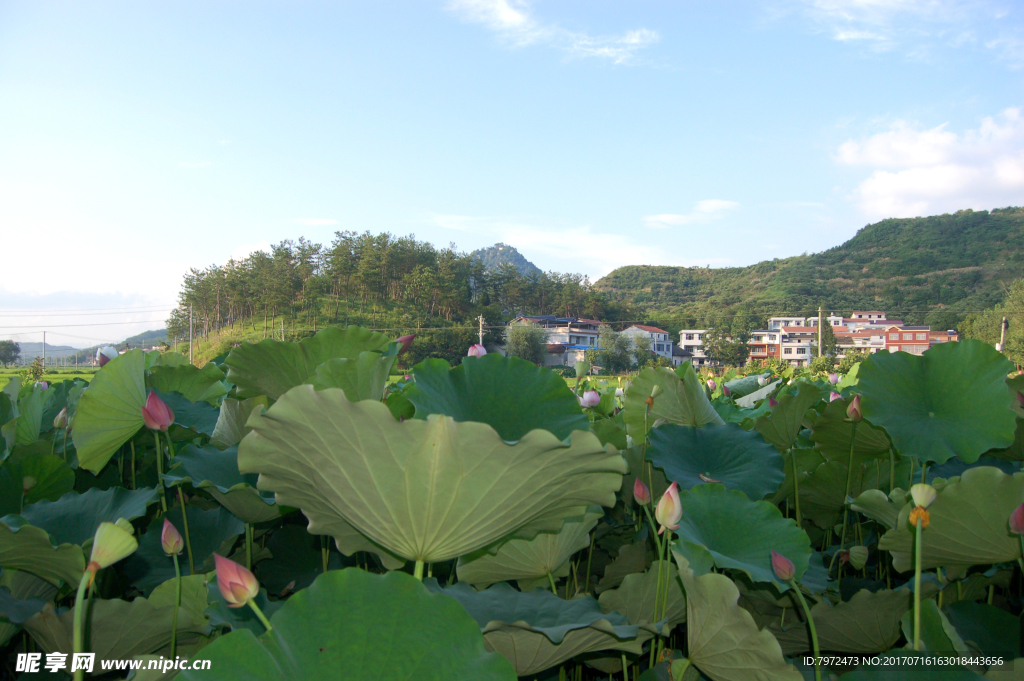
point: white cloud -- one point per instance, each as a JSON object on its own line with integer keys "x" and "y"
{"x": 578, "y": 248}
{"x": 928, "y": 171}
{"x": 703, "y": 211}
{"x": 315, "y": 221}
{"x": 514, "y": 23}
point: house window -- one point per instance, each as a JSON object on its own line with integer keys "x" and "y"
{"x": 700, "y": 336}
{"x": 787, "y": 351}
{"x": 689, "y": 336}
{"x": 801, "y": 351}
{"x": 894, "y": 336}
{"x": 772, "y": 337}
{"x": 921, "y": 336}
{"x": 895, "y": 348}
{"x": 908, "y": 336}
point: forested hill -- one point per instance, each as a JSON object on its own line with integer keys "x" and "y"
{"x": 923, "y": 270}
{"x": 502, "y": 254}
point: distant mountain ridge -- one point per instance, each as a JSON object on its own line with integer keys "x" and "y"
{"x": 500, "y": 254}
{"x": 931, "y": 270}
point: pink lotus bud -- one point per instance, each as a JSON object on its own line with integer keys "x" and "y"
{"x": 669, "y": 509}
{"x": 105, "y": 354}
{"x": 783, "y": 567}
{"x": 833, "y": 396}
{"x": 590, "y": 399}
{"x": 61, "y": 420}
{"x": 171, "y": 539}
{"x": 726, "y": 391}
{"x": 237, "y": 585}
{"x": 641, "y": 493}
{"x": 42, "y": 385}
{"x": 156, "y": 414}
{"x": 833, "y": 378}
{"x": 1017, "y": 520}
{"x": 406, "y": 341}
{"x": 712, "y": 385}
{"x": 476, "y": 350}
{"x": 853, "y": 411}
{"x": 772, "y": 402}
{"x": 406, "y": 377}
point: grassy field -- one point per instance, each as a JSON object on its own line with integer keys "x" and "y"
{"x": 52, "y": 376}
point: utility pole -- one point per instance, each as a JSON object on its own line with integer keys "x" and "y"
{"x": 44, "y": 348}
{"x": 819, "y": 330}
{"x": 1002, "y": 335}
{"x": 190, "y": 334}
{"x": 481, "y": 332}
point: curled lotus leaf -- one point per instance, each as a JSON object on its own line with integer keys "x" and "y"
{"x": 28, "y": 548}
{"x": 867, "y": 623}
{"x": 426, "y": 490}
{"x": 637, "y": 595}
{"x": 194, "y": 384}
{"x": 216, "y": 471}
{"x": 950, "y": 401}
{"x": 231, "y": 419}
{"x": 530, "y": 560}
{"x": 392, "y": 628}
{"x": 682, "y": 401}
{"x": 272, "y": 367}
{"x": 783, "y": 423}
{"x": 537, "y": 630}
{"x": 109, "y": 412}
{"x": 967, "y": 523}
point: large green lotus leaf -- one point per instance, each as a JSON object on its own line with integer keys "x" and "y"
{"x": 297, "y": 559}
{"x": 798, "y": 461}
{"x": 216, "y": 471}
{"x": 210, "y": 531}
{"x": 730, "y": 413}
{"x": 950, "y": 401}
{"x": 739, "y": 387}
{"x": 110, "y": 410}
{"x": 193, "y": 596}
{"x": 725, "y": 528}
{"x": 362, "y": 378}
{"x": 968, "y": 523}
{"x": 195, "y": 384}
{"x": 392, "y": 628}
{"x": 22, "y": 595}
{"x": 53, "y": 478}
{"x": 118, "y": 630}
{"x": 636, "y": 597}
{"x": 611, "y": 431}
{"x": 30, "y": 416}
{"x": 528, "y": 560}
{"x": 724, "y": 642}
{"x": 222, "y": 615}
{"x": 748, "y": 401}
{"x": 831, "y": 434}
{"x": 727, "y": 454}
{"x": 784, "y": 422}
{"x": 1014, "y": 452}
{"x": 195, "y": 416}
{"x": 509, "y": 394}
{"x": 23, "y": 547}
{"x": 166, "y": 359}
{"x": 682, "y": 401}
{"x": 867, "y": 623}
{"x": 876, "y": 504}
{"x": 230, "y": 428}
{"x": 1016, "y": 387}
{"x": 985, "y": 629}
{"x": 273, "y": 367}
{"x": 938, "y": 636}
{"x": 537, "y": 630}
{"x": 428, "y": 490}
{"x": 632, "y": 558}
{"x": 823, "y": 493}
{"x": 74, "y": 517}
{"x": 231, "y": 420}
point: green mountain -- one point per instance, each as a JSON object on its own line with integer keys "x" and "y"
{"x": 503, "y": 254}
{"x": 932, "y": 270}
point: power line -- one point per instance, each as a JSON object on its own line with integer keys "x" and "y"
{"x": 46, "y": 327}
{"x": 86, "y": 314}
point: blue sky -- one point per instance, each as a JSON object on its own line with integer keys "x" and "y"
{"x": 140, "y": 139}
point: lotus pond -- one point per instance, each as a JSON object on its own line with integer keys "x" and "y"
{"x": 287, "y": 512}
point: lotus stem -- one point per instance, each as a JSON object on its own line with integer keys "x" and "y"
{"x": 551, "y": 581}
{"x": 259, "y": 614}
{"x": 810, "y": 625}
{"x": 160, "y": 471}
{"x": 917, "y": 585}
{"x": 248, "y": 546}
{"x": 796, "y": 488}
{"x": 625, "y": 668}
{"x": 65, "y": 452}
{"x": 177, "y": 606}
{"x": 892, "y": 470}
{"x": 188, "y": 542}
{"x": 846, "y": 512}
{"x": 991, "y": 593}
{"x": 132, "y": 443}
{"x": 418, "y": 572}
{"x": 79, "y": 616}
{"x": 324, "y": 551}
{"x": 590, "y": 555}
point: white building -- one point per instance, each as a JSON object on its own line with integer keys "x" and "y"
{"x": 692, "y": 343}
{"x": 568, "y": 337}
{"x": 661, "y": 344}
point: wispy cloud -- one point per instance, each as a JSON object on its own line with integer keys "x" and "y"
{"x": 315, "y": 222}
{"x": 925, "y": 171}
{"x": 707, "y": 210}
{"x": 574, "y": 248}
{"x": 515, "y": 24}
